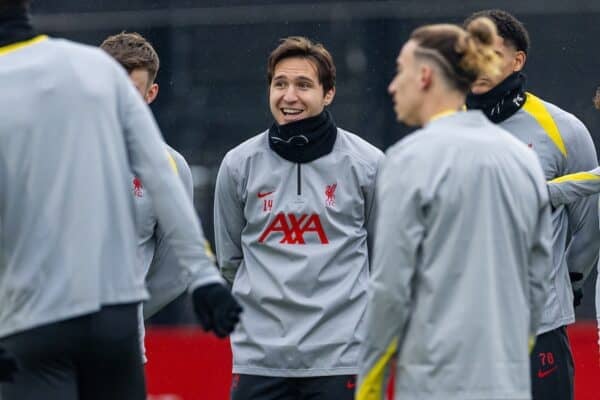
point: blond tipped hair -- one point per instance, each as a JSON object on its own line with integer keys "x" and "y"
{"x": 461, "y": 54}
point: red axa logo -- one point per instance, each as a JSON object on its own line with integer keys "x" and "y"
{"x": 138, "y": 188}
{"x": 293, "y": 228}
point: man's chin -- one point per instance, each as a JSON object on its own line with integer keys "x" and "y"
{"x": 481, "y": 87}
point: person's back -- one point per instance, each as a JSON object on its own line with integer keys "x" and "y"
{"x": 63, "y": 210}
{"x": 470, "y": 325}
{"x": 72, "y": 129}
{"x": 462, "y": 256}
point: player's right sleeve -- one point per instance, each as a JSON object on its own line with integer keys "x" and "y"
{"x": 229, "y": 221}
{"x": 399, "y": 231}
{"x": 540, "y": 258}
{"x": 149, "y": 161}
{"x": 572, "y": 187}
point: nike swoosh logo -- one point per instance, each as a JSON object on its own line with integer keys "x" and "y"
{"x": 543, "y": 374}
{"x": 261, "y": 194}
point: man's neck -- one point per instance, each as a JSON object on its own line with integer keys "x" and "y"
{"x": 441, "y": 103}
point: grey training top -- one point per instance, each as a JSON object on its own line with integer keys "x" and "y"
{"x": 72, "y": 127}
{"x": 563, "y": 145}
{"x": 292, "y": 239}
{"x": 461, "y": 264}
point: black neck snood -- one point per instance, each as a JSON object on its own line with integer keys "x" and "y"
{"x": 502, "y": 101}
{"x": 305, "y": 140}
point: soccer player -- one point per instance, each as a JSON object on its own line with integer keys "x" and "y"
{"x": 563, "y": 145}
{"x": 570, "y": 188}
{"x": 72, "y": 127}
{"x": 293, "y": 207}
{"x": 463, "y": 235}
{"x": 156, "y": 260}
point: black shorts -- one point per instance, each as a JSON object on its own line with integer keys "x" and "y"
{"x": 552, "y": 368}
{"x": 254, "y": 387}
{"x": 92, "y": 357}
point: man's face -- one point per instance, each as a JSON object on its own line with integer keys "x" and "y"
{"x": 141, "y": 79}
{"x": 406, "y": 88}
{"x": 295, "y": 92}
{"x": 511, "y": 60}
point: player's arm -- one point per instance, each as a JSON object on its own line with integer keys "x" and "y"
{"x": 582, "y": 251}
{"x": 229, "y": 221}
{"x": 174, "y": 210}
{"x": 399, "y": 231}
{"x": 569, "y": 188}
{"x": 371, "y": 207}
{"x": 165, "y": 280}
{"x": 540, "y": 257}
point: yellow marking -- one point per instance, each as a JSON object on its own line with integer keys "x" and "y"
{"x": 173, "y": 163}
{"x": 536, "y": 108}
{"x": 577, "y": 177}
{"x": 208, "y": 250}
{"x": 19, "y": 45}
{"x": 442, "y": 114}
{"x": 371, "y": 387}
{"x": 531, "y": 343}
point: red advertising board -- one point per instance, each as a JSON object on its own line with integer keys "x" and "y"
{"x": 187, "y": 364}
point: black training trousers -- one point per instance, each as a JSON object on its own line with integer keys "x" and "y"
{"x": 92, "y": 357}
{"x": 254, "y": 387}
{"x": 552, "y": 368}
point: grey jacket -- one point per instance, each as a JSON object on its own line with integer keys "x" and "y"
{"x": 461, "y": 264}
{"x": 72, "y": 127}
{"x": 156, "y": 261}
{"x": 564, "y": 146}
{"x": 292, "y": 240}
{"x": 570, "y": 188}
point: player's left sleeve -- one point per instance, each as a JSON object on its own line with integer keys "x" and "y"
{"x": 582, "y": 250}
{"x": 399, "y": 231}
{"x": 572, "y": 187}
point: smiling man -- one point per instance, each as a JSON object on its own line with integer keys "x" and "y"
{"x": 292, "y": 212}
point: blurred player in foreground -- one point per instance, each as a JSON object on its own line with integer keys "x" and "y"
{"x": 72, "y": 127}
{"x": 156, "y": 261}
{"x": 293, "y": 207}
{"x": 563, "y": 145}
{"x": 463, "y": 235}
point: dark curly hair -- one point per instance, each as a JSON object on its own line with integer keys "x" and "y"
{"x": 508, "y": 26}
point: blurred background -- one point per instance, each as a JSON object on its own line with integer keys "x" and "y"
{"x": 213, "y": 90}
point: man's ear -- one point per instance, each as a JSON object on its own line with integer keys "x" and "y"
{"x": 152, "y": 93}
{"x": 519, "y": 61}
{"x": 328, "y": 99}
{"x": 425, "y": 76}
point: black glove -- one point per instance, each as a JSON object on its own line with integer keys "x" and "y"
{"x": 216, "y": 309}
{"x": 8, "y": 366}
{"x": 577, "y": 293}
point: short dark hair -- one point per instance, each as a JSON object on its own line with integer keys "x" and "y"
{"x": 132, "y": 51}
{"x": 508, "y": 26}
{"x": 299, "y": 46}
